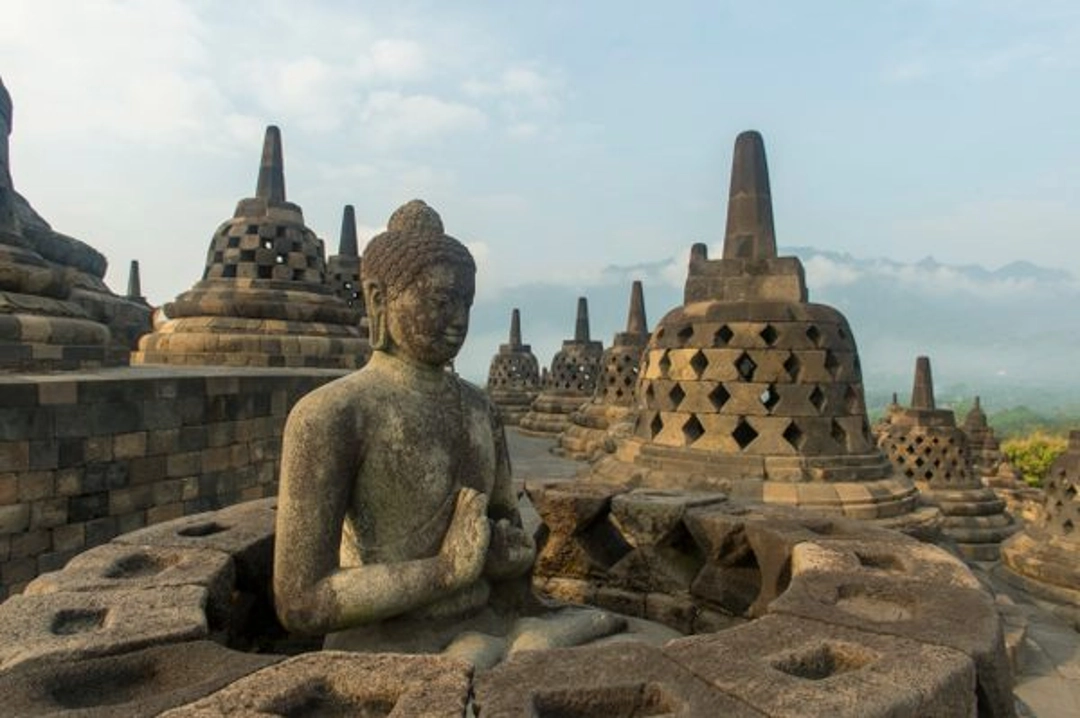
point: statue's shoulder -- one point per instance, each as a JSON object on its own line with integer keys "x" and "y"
{"x": 473, "y": 395}
{"x": 333, "y": 403}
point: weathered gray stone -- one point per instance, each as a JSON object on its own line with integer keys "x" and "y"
{"x": 139, "y": 683}
{"x": 73, "y": 626}
{"x": 786, "y": 666}
{"x": 333, "y": 683}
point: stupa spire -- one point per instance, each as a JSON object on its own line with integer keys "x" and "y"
{"x": 134, "y": 288}
{"x": 750, "y": 233}
{"x": 635, "y": 320}
{"x": 347, "y": 246}
{"x": 922, "y": 394}
{"x": 581, "y": 326}
{"x": 515, "y": 329}
{"x": 271, "y": 186}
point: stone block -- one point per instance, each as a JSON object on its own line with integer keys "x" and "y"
{"x": 16, "y": 572}
{"x": 127, "y": 446}
{"x": 164, "y": 512}
{"x": 68, "y": 627}
{"x": 97, "y": 449}
{"x": 126, "y": 523}
{"x": 35, "y": 485}
{"x": 629, "y": 679}
{"x": 121, "y": 567}
{"x": 98, "y": 531}
{"x": 30, "y": 543}
{"x": 337, "y": 683}
{"x": 135, "y": 498}
{"x": 14, "y": 455}
{"x": 9, "y": 489}
{"x": 88, "y": 506}
{"x": 784, "y": 666}
{"x": 58, "y": 392}
{"x": 244, "y": 531}
{"x": 48, "y": 513}
{"x": 144, "y": 682}
{"x": 69, "y": 482}
{"x": 44, "y": 455}
{"x": 19, "y": 422}
{"x": 163, "y": 441}
{"x": 69, "y": 537}
{"x": 14, "y": 518}
{"x": 963, "y": 619}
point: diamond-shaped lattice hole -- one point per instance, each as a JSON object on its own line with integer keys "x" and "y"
{"x": 813, "y": 334}
{"x": 684, "y": 334}
{"x": 746, "y": 367}
{"x": 831, "y": 363}
{"x": 676, "y": 395}
{"x": 851, "y": 400}
{"x": 1070, "y": 493}
{"x": 692, "y": 430}
{"x": 656, "y": 426}
{"x": 1067, "y": 527}
{"x": 664, "y": 364}
{"x": 838, "y": 434}
{"x": 744, "y": 434}
{"x": 769, "y": 398}
{"x": 793, "y": 435}
{"x": 719, "y": 396}
{"x": 769, "y": 334}
{"x": 792, "y": 365}
{"x": 723, "y": 336}
{"x": 817, "y": 398}
{"x": 699, "y": 362}
{"x": 650, "y": 394}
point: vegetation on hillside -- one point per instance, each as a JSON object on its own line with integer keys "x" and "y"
{"x": 1032, "y": 455}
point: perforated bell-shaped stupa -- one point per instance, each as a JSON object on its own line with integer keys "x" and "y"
{"x": 571, "y": 381}
{"x": 750, "y": 389}
{"x": 56, "y": 312}
{"x": 263, "y": 299}
{"x": 514, "y": 376}
{"x": 1044, "y": 558}
{"x": 595, "y": 426}
{"x": 925, "y": 444}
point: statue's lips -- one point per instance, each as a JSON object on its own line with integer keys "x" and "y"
{"x": 453, "y": 338}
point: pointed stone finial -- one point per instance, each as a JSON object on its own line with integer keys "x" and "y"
{"x": 978, "y": 404}
{"x": 635, "y": 320}
{"x": 581, "y": 326}
{"x": 895, "y": 399}
{"x": 134, "y": 290}
{"x": 750, "y": 233}
{"x": 5, "y": 105}
{"x": 922, "y": 394}
{"x": 271, "y": 186}
{"x": 515, "y": 330}
{"x": 1074, "y": 440}
{"x": 347, "y": 245}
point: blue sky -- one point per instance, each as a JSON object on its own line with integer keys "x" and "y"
{"x": 555, "y": 138}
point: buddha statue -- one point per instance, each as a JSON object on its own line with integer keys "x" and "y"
{"x": 397, "y": 525}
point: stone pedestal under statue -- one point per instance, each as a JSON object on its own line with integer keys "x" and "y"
{"x": 925, "y": 445}
{"x": 570, "y": 383}
{"x": 514, "y": 376}
{"x": 263, "y": 299}
{"x": 596, "y": 424}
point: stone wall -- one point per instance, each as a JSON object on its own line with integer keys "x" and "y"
{"x": 88, "y": 456}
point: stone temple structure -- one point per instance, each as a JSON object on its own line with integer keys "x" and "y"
{"x": 343, "y": 268}
{"x": 592, "y": 427}
{"x": 263, "y": 299}
{"x": 514, "y": 376}
{"x": 925, "y": 445}
{"x": 749, "y": 388}
{"x": 1044, "y": 558}
{"x": 55, "y": 310}
{"x": 984, "y": 450}
{"x": 571, "y": 381}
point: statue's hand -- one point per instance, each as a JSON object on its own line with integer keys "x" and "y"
{"x": 465, "y": 546}
{"x": 511, "y": 553}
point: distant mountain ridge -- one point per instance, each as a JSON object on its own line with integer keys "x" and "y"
{"x": 1018, "y": 325}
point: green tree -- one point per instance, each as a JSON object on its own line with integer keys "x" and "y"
{"x": 1032, "y": 455}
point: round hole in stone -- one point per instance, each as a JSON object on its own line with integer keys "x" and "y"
{"x": 819, "y": 662}
{"x": 136, "y": 565}
{"x": 207, "y": 529}
{"x": 70, "y": 621}
{"x": 105, "y": 686}
{"x": 863, "y": 602}
{"x": 321, "y": 699}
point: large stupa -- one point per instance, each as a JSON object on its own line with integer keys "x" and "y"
{"x": 263, "y": 299}
{"x": 751, "y": 389}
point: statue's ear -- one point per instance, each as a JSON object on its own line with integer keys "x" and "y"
{"x": 375, "y": 299}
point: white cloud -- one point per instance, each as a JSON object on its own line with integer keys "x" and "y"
{"x": 394, "y": 118}
{"x": 822, "y": 272}
{"x": 399, "y": 60}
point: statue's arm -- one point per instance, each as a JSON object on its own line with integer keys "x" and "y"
{"x": 312, "y": 593}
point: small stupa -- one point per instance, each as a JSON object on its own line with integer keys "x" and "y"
{"x": 595, "y": 425}
{"x": 984, "y": 450}
{"x": 55, "y": 310}
{"x": 924, "y": 443}
{"x": 343, "y": 268}
{"x": 1044, "y": 558}
{"x": 514, "y": 376}
{"x": 571, "y": 381}
{"x": 750, "y": 389}
{"x": 263, "y": 299}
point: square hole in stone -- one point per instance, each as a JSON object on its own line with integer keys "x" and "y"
{"x": 817, "y": 398}
{"x": 745, "y": 366}
{"x": 769, "y": 334}
{"x": 692, "y": 430}
{"x": 718, "y": 397}
{"x": 744, "y": 434}
{"x": 699, "y": 363}
{"x": 723, "y": 336}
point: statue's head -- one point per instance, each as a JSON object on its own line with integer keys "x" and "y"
{"x": 419, "y": 284}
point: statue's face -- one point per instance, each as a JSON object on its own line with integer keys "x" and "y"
{"x": 428, "y": 321}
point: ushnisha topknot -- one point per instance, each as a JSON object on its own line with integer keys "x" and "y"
{"x": 413, "y": 241}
